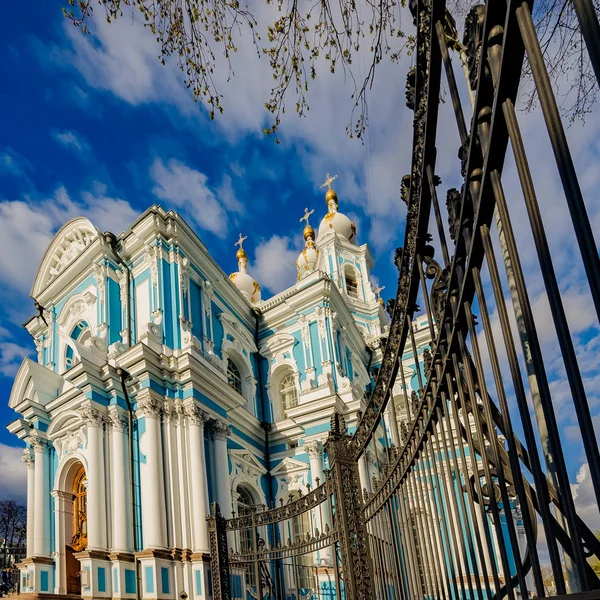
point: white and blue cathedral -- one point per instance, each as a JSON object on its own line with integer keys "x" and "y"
{"x": 162, "y": 385}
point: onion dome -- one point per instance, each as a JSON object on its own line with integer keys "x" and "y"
{"x": 307, "y": 261}
{"x": 242, "y": 281}
{"x": 335, "y": 220}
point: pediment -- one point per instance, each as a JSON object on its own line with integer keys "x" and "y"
{"x": 37, "y": 383}
{"x": 234, "y": 328}
{"x": 248, "y": 459}
{"x": 289, "y": 465}
{"x": 280, "y": 342}
{"x": 68, "y": 244}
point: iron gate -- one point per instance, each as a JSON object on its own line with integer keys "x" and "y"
{"x": 475, "y": 481}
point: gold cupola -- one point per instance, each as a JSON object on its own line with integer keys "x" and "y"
{"x": 307, "y": 260}
{"x": 242, "y": 281}
{"x": 335, "y": 220}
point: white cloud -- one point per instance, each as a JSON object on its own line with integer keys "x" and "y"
{"x": 13, "y": 474}
{"x": 27, "y": 227}
{"x": 585, "y": 498}
{"x": 187, "y": 190}
{"x": 70, "y": 139}
{"x": 11, "y": 356}
{"x": 274, "y": 266}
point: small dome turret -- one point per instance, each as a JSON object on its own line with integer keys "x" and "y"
{"x": 307, "y": 261}
{"x": 242, "y": 281}
{"x": 335, "y": 220}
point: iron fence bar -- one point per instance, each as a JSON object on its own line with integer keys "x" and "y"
{"x": 450, "y": 539}
{"x": 472, "y": 395}
{"x": 458, "y": 448}
{"x": 420, "y": 517}
{"x": 438, "y": 218}
{"x": 493, "y": 444}
{"x": 562, "y": 154}
{"x": 394, "y": 549}
{"x": 582, "y": 409}
{"x": 590, "y": 29}
{"x": 536, "y": 358}
{"x": 450, "y": 78}
{"x": 508, "y": 430}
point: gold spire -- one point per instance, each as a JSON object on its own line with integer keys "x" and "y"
{"x": 241, "y": 255}
{"x": 330, "y": 196}
{"x": 241, "y": 252}
{"x": 309, "y": 232}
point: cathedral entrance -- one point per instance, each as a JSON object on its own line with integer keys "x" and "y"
{"x": 76, "y": 531}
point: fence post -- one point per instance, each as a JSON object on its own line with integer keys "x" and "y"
{"x": 219, "y": 561}
{"x": 357, "y": 567}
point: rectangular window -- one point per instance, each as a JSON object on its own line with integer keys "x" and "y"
{"x": 129, "y": 581}
{"x": 198, "y": 575}
{"x": 44, "y": 581}
{"x": 164, "y": 579}
{"x": 101, "y": 579}
{"x": 149, "y": 576}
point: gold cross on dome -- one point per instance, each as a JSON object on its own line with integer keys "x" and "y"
{"x": 241, "y": 241}
{"x": 307, "y": 214}
{"x": 378, "y": 290}
{"x": 328, "y": 181}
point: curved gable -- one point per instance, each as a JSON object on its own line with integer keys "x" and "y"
{"x": 37, "y": 383}
{"x": 68, "y": 243}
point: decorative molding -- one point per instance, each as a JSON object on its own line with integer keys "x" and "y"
{"x": 28, "y": 457}
{"x": 184, "y": 274}
{"x": 118, "y": 421}
{"x": 220, "y": 430}
{"x": 92, "y": 417}
{"x": 314, "y": 449}
{"x": 149, "y": 407}
{"x": 194, "y": 415}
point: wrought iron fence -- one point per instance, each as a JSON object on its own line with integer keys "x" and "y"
{"x": 474, "y": 496}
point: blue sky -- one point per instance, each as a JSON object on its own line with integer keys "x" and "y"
{"x": 94, "y": 125}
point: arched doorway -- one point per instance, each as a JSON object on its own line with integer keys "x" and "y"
{"x": 76, "y": 530}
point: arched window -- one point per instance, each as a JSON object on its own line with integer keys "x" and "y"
{"x": 246, "y": 504}
{"x": 80, "y": 536}
{"x": 301, "y": 527}
{"x": 234, "y": 379}
{"x": 81, "y": 332}
{"x": 288, "y": 392}
{"x": 351, "y": 283}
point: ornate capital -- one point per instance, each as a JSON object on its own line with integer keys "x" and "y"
{"x": 28, "y": 458}
{"x": 92, "y": 417}
{"x": 118, "y": 422}
{"x": 38, "y": 443}
{"x": 148, "y": 407}
{"x": 220, "y": 430}
{"x": 194, "y": 415}
{"x": 314, "y": 449}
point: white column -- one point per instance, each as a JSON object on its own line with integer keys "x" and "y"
{"x": 28, "y": 459}
{"x": 171, "y": 417}
{"x": 364, "y": 470}
{"x": 195, "y": 419}
{"x": 41, "y": 513}
{"x": 96, "y": 474}
{"x": 393, "y": 422}
{"x": 63, "y": 514}
{"x": 220, "y": 432}
{"x": 151, "y": 476}
{"x": 314, "y": 450}
{"x": 121, "y": 497}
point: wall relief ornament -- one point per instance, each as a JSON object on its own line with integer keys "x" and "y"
{"x": 70, "y": 247}
{"x": 92, "y": 417}
{"x": 28, "y": 457}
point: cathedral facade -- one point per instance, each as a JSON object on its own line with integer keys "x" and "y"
{"x": 163, "y": 385}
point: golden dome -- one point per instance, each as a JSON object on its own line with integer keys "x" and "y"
{"x": 331, "y": 195}
{"x": 309, "y": 233}
{"x": 241, "y": 253}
